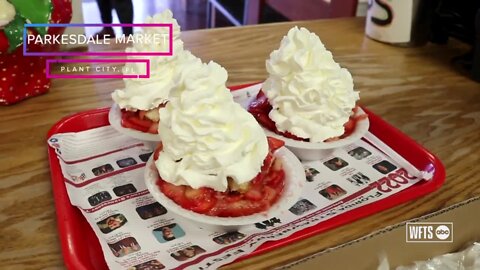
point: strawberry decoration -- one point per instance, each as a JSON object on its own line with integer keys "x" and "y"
{"x": 22, "y": 76}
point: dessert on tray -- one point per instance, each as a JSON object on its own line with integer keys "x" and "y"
{"x": 141, "y": 98}
{"x": 254, "y": 196}
{"x": 215, "y": 159}
{"x": 307, "y": 96}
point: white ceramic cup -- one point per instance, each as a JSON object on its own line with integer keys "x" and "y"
{"x": 315, "y": 151}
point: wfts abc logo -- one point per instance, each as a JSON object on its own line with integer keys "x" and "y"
{"x": 429, "y": 232}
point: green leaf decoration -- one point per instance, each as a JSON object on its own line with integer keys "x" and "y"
{"x": 14, "y": 32}
{"x": 34, "y": 11}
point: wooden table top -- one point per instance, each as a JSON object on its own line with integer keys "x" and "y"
{"x": 415, "y": 89}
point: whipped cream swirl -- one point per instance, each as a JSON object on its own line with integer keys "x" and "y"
{"x": 148, "y": 93}
{"x": 206, "y": 136}
{"x": 311, "y": 95}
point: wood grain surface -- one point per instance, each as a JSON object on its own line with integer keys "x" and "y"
{"x": 415, "y": 89}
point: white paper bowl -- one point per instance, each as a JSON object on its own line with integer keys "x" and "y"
{"x": 294, "y": 181}
{"x": 115, "y": 119}
{"x": 315, "y": 151}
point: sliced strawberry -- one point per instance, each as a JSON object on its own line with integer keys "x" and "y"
{"x": 141, "y": 114}
{"x": 193, "y": 193}
{"x": 270, "y": 196}
{"x": 260, "y": 104}
{"x": 355, "y": 110}
{"x": 140, "y": 122}
{"x": 254, "y": 194}
{"x": 223, "y": 203}
{"x": 267, "y": 163}
{"x": 153, "y": 128}
{"x": 352, "y": 122}
{"x": 276, "y": 178}
{"x": 260, "y": 94}
{"x": 126, "y": 123}
{"x": 157, "y": 151}
{"x": 176, "y": 193}
{"x": 265, "y": 121}
{"x": 274, "y": 143}
{"x": 242, "y": 208}
{"x": 258, "y": 180}
{"x": 277, "y": 165}
{"x": 127, "y": 114}
{"x": 201, "y": 200}
{"x": 230, "y": 198}
{"x": 203, "y": 206}
{"x": 349, "y": 127}
{"x": 291, "y": 136}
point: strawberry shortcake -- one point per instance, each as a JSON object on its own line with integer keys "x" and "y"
{"x": 141, "y": 98}
{"x": 214, "y": 158}
{"x": 307, "y": 95}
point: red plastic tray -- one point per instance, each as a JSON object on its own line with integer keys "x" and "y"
{"x": 81, "y": 249}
